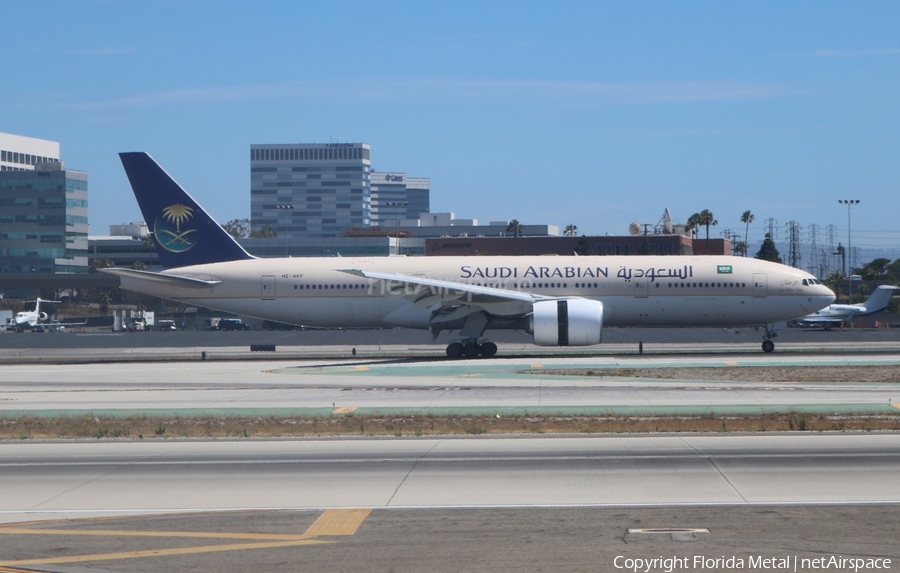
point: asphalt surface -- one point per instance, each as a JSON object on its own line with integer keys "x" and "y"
{"x": 423, "y": 504}
{"x": 541, "y": 504}
{"x": 406, "y": 337}
{"x": 440, "y": 387}
{"x": 398, "y": 343}
{"x": 454, "y": 540}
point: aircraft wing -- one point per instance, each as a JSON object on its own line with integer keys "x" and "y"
{"x": 170, "y": 280}
{"x": 812, "y": 319}
{"x": 53, "y": 325}
{"x": 426, "y": 292}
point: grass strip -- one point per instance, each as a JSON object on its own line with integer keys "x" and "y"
{"x": 146, "y": 427}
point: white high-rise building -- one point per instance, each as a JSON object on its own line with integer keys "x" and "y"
{"x": 20, "y": 153}
{"x": 43, "y": 209}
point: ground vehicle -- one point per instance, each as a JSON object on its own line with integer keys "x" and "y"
{"x": 165, "y": 325}
{"x": 232, "y": 324}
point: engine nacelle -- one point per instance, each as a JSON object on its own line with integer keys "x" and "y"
{"x": 567, "y": 322}
{"x": 43, "y": 316}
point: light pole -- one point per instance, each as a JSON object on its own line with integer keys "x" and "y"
{"x": 285, "y": 208}
{"x": 849, "y": 203}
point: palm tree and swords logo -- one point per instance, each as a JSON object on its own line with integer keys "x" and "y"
{"x": 168, "y": 229}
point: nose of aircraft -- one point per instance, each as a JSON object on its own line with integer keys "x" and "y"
{"x": 822, "y": 298}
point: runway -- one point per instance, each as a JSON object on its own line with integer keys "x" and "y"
{"x": 93, "y": 347}
{"x": 434, "y": 502}
{"x": 70, "y": 480}
{"x": 495, "y": 386}
{"x": 572, "y": 503}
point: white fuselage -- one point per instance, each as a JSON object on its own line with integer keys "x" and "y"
{"x": 835, "y": 313}
{"x": 635, "y": 291}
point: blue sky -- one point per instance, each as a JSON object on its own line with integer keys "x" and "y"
{"x": 588, "y": 113}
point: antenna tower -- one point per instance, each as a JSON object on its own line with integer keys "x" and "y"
{"x": 772, "y": 228}
{"x": 833, "y": 262}
{"x": 814, "y": 267}
{"x": 793, "y": 230}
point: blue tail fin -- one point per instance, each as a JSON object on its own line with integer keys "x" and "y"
{"x": 184, "y": 234}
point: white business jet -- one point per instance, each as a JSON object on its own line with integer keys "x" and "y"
{"x": 836, "y": 314}
{"x": 33, "y": 319}
{"x": 561, "y": 301}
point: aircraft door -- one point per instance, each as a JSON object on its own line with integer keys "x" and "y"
{"x": 267, "y": 287}
{"x": 760, "y": 290}
{"x": 641, "y": 288}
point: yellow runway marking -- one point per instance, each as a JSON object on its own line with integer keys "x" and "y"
{"x": 162, "y": 552}
{"x": 895, "y": 404}
{"x": 332, "y": 522}
{"x": 341, "y": 370}
{"x": 537, "y": 365}
{"x": 731, "y": 363}
{"x": 345, "y": 410}
{"x": 338, "y": 522}
{"x": 123, "y": 533}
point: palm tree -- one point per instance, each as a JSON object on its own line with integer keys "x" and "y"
{"x": 707, "y": 219}
{"x": 833, "y": 281}
{"x": 515, "y": 228}
{"x": 747, "y": 218}
{"x": 571, "y": 230}
{"x": 692, "y": 223}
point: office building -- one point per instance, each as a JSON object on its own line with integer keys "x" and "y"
{"x": 310, "y": 190}
{"x": 127, "y": 245}
{"x": 43, "y": 209}
{"x": 671, "y": 244}
{"x": 397, "y": 197}
{"x": 20, "y": 153}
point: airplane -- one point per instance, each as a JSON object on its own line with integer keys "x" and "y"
{"x": 841, "y": 313}
{"x": 559, "y": 300}
{"x": 33, "y": 319}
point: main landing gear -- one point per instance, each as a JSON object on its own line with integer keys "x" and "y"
{"x": 767, "y": 345}
{"x": 470, "y": 348}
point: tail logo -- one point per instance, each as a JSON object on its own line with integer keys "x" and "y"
{"x": 168, "y": 229}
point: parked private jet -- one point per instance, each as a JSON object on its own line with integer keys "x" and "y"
{"x": 33, "y": 319}
{"x": 560, "y": 301}
{"x": 836, "y": 314}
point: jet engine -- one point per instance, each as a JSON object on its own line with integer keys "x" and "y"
{"x": 567, "y": 322}
{"x": 43, "y": 316}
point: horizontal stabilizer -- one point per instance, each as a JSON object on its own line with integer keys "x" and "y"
{"x": 160, "y": 278}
